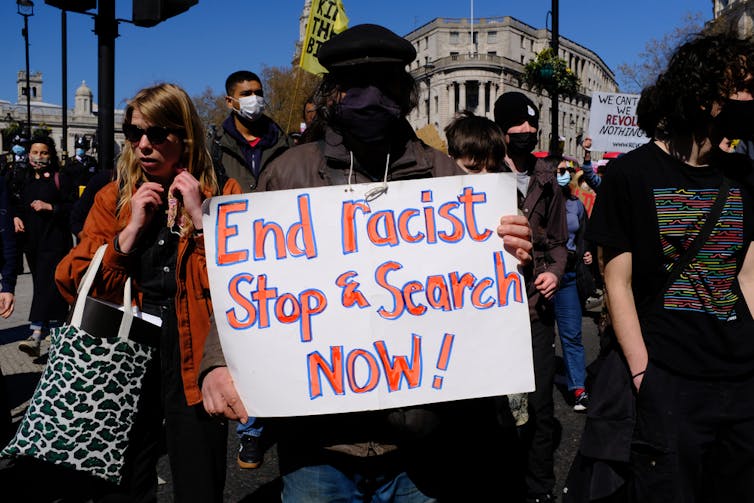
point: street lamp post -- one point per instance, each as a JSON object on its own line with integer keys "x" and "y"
{"x": 554, "y": 97}
{"x": 25, "y": 8}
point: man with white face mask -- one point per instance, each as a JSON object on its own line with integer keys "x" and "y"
{"x": 248, "y": 139}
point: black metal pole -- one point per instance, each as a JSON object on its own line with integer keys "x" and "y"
{"x": 64, "y": 87}
{"x": 554, "y": 97}
{"x": 28, "y": 85}
{"x": 106, "y": 28}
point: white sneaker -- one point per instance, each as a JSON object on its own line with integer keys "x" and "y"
{"x": 592, "y": 303}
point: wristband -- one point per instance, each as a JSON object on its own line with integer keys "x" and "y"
{"x": 638, "y": 374}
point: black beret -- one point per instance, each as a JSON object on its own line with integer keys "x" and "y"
{"x": 513, "y": 109}
{"x": 363, "y": 44}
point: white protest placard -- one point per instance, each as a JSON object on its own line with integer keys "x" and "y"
{"x": 612, "y": 123}
{"x": 328, "y": 302}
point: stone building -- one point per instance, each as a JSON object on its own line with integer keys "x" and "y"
{"x": 463, "y": 65}
{"x": 737, "y": 14}
{"x": 82, "y": 118}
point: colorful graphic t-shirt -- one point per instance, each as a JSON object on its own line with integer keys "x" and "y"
{"x": 652, "y": 205}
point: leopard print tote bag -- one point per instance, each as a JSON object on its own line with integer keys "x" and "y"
{"x": 83, "y": 408}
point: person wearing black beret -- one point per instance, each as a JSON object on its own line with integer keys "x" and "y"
{"x": 413, "y": 454}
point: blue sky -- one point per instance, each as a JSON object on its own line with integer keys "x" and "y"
{"x": 200, "y": 47}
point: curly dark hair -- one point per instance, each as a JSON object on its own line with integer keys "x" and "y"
{"x": 701, "y": 72}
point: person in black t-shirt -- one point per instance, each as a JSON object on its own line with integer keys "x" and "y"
{"x": 688, "y": 336}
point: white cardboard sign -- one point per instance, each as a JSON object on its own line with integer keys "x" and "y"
{"x": 327, "y": 302}
{"x": 612, "y": 123}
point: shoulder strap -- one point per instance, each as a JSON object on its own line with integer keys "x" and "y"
{"x": 704, "y": 233}
{"x": 216, "y": 153}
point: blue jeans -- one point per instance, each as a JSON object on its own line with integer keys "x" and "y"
{"x": 325, "y": 483}
{"x": 253, "y": 427}
{"x": 568, "y": 317}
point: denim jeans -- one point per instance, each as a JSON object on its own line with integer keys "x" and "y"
{"x": 568, "y": 317}
{"x": 253, "y": 427}
{"x": 325, "y": 483}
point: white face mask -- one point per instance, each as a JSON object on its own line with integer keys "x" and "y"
{"x": 250, "y": 107}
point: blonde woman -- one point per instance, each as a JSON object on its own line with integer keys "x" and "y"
{"x": 150, "y": 217}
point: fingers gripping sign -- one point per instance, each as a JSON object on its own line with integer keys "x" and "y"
{"x": 220, "y": 396}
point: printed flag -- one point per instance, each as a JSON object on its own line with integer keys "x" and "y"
{"x": 327, "y": 17}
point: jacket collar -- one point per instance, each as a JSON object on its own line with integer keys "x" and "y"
{"x": 407, "y": 159}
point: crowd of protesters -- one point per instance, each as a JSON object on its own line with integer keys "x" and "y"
{"x": 671, "y": 400}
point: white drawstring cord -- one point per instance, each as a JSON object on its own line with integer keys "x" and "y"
{"x": 376, "y": 192}
{"x": 350, "y": 173}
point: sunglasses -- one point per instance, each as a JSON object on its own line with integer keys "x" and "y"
{"x": 155, "y": 134}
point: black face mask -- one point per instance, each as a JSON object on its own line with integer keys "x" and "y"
{"x": 521, "y": 143}
{"x": 365, "y": 113}
{"x": 736, "y": 120}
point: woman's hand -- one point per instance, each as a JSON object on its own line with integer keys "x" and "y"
{"x": 588, "y": 258}
{"x": 186, "y": 189}
{"x": 7, "y": 304}
{"x": 516, "y": 234}
{"x": 38, "y": 205}
{"x": 145, "y": 202}
{"x": 18, "y": 224}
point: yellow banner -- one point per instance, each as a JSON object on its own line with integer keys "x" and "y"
{"x": 327, "y": 17}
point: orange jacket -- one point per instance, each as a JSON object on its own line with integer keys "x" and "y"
{"x": 192, "y": 302}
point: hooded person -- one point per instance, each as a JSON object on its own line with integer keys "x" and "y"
{"x": 383, "y": 455}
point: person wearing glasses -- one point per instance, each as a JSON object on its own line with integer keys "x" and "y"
{"x": 151, "y": 219}
{"x": 248, "y": 139}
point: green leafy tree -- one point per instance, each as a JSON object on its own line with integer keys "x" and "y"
{"x": 548, "y": 72}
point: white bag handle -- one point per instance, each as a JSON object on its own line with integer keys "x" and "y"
{"x": 86, "y": 286}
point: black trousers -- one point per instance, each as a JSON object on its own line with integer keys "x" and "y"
{"x": 694, "y": 439}
{"x": 539, "y": 432}
{"x": 196, "y": 443}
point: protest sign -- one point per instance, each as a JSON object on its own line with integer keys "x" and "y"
{"x": 326, "y": 18}
{"x": 612, "y": 122}
{"x": 331, "y": 300}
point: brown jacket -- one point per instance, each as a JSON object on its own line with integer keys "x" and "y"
{"x": 544, "y": 206}
{"x": 192, "y": 301}
{"x": 320, "y": 164}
